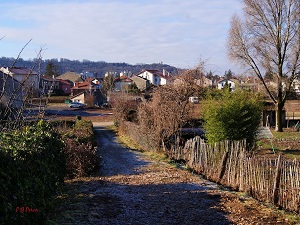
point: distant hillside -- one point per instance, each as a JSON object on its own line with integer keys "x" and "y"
{"x": 98, "y": 68}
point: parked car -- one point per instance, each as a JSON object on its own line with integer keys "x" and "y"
{"x": 76, "y": 105}
{"x": 194, "y": 100}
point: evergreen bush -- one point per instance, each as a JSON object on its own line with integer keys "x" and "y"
{"x": 32, "y": 165}
{"x": 232, "y": 116}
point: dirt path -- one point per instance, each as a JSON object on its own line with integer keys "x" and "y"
{"x": 132, "y": 188}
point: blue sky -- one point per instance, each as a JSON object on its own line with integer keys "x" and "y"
{"x": 175, "y": 32}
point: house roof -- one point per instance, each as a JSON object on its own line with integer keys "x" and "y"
{"x": 226, "y": 80}
{"x": 65, "y": 81}
{"x": 289, "y": 106}
{"x": 292, "y": 105}
{"x": 49, "y": 78}
{"x": 139, "y": 78}
{"x": 19, "y": 71}
{"x": 94, "y": 80}
{"x": 7, "y": 77}
{"x": 123, "y": 79}
{"x": 85, "y": 85}
{"x": 72, "y": 76}
{"x": 2, "y": 78}
{"x": 155, "y": 72}
{"x": 80, "y": 93}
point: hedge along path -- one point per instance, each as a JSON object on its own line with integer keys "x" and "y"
{"x": 271, "y": 180}
{"x": 134, "y": 188}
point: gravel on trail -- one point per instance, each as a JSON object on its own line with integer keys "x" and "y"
{"x": 134, "y": 188}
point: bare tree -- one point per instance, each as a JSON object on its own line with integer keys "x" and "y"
{"x": 168, "y": 110}
{"x": 15, "y": 96}
{"x": 267, "y": 39}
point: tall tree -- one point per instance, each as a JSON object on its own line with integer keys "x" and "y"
{"x": 267, "y": 39}
{"x": 209, "y": 75}
{"x": 108, "y": 84}
{"x": 51, "y": 69}
{"x": 228, "y": 74}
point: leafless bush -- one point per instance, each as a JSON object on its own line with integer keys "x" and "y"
{"x": 90, "y": 100}
{"x": 81, "y": 158}
{"x": 124, "y": 107}
{"x": 168, "y": 110}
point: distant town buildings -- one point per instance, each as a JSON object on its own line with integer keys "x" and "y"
{"x": 75, "y": 84}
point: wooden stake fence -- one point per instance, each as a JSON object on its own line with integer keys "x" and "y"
{"x": 270, "y": 180}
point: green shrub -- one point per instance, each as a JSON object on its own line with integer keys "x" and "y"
{"x": 34, "y": 161}
{"x": 232, "y": 116}
{"x": 32, "y": 165}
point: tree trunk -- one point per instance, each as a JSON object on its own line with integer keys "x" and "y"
{"x": 280, "y": 103}
{"x": 279, "y": 113}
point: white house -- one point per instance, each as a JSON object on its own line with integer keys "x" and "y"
{"x": 155, "y": 76}
{"x": 204, "y": 81}
{"x": 80, "y": 97}
{"x": 222, "y": 83}
{"x": 97, "y": 83}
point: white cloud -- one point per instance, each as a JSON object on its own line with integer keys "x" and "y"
{"x": 173, "y": 31}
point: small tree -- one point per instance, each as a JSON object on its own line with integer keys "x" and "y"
{"x": 108, "y": 84}
{"x": 90, "y": 100}
{"x": 51, "y": 69}
{"x": 133, "y": 89}
{"x": 232, "y": 116}
{"x": 228, "y": 74}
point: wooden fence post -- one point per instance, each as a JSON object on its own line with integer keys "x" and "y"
{"x": 277, "y": 180}
{"x": 223, "y": 166}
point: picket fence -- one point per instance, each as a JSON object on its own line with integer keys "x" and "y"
{"x": 228, "y": 163}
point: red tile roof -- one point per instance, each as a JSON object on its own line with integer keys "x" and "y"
{"x": 65, "y": 81}
{"x": 123, "y": 79}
